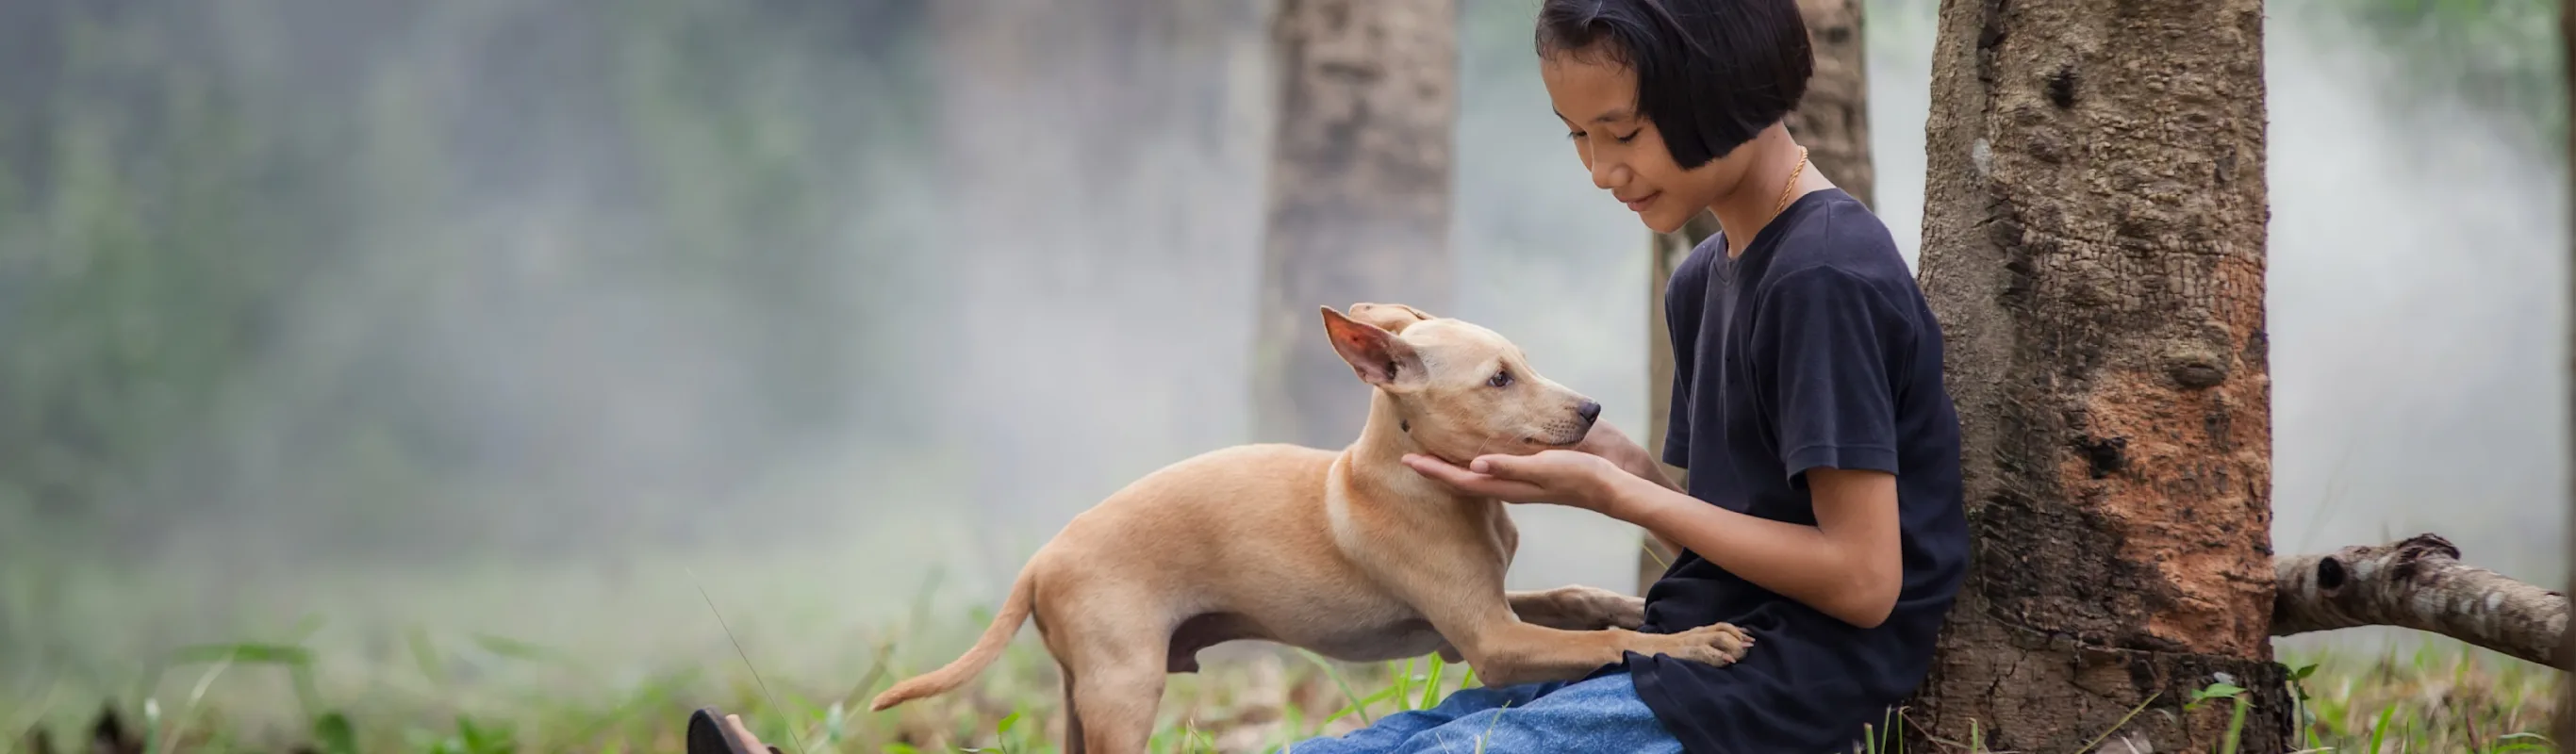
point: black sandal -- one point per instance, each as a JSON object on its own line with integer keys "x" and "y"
{"x": 707, "y": 735}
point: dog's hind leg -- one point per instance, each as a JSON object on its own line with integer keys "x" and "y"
{"x": 1115, "y": 701}
{"x": 1113, "y": 652}
{"x": 1072, "y": 743}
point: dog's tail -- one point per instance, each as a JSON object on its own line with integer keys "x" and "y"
{"x": 1006, "y": 624}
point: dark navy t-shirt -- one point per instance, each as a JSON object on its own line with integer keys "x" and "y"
{"x": 1814, "y": 348}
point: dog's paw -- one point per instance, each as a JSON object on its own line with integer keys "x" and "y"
{"x": 1719, "y": 644}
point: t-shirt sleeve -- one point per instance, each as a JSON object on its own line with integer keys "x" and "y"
{"x": 1828, "y": 342}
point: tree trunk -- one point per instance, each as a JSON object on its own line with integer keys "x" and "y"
{"x": 977, "y": 81}
{"x": 1833, "y": 121}
{"x": 1833, "y": 124}
{"x": 1359, "y": 196}
{"x": 2094, "y": 248}
{"x": 2567, "y": 687}
{"x": 1056, "y": 116}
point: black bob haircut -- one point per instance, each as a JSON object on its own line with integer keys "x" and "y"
{"x": 1710, "y": 73}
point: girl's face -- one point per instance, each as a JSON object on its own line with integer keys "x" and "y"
{"x": 1624, "y": 152}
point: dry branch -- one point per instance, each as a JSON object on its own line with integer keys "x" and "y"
{"x": 2420, "y": 583}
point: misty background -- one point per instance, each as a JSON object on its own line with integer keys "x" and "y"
{"x": 358, "y": 320}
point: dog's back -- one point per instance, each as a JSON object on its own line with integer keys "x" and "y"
{"x": 1171, "y": 524}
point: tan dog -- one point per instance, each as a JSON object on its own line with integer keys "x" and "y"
{"x": 1352, "y": 555}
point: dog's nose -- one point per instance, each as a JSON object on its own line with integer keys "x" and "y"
{"x": 1589, "y": 410}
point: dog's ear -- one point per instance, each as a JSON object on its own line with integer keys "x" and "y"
{"x": 1378, "y": 356}
{"x": 1389, "y": 317}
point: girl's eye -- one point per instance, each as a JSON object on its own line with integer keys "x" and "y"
{"x": 1500, "y": 379}
{"x": 1574, "y": 136}
{"x": 1631, "y": 135}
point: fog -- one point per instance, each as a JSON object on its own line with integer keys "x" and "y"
{"x": 970, "y": 352}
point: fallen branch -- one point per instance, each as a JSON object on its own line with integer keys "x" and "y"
{"x": 2420, "y": 583}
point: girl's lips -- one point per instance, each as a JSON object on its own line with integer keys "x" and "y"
{"x": 1639, "y": 204}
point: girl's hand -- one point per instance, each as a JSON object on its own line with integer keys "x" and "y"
{"x": 1608, "y": 442}
{"x": 1558, "y": 477}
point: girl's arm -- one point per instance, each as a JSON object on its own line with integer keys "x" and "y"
{"x": 1849, "y": 565}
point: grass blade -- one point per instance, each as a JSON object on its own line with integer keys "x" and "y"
{"x": 1431, "y": 690}
{"x": 2124, "y": 721}
{"x": 2379, "y": 731}
{"x": 1336, "y": 674}
{"x": 2236, "y": 725}
{"x": 792, "y": 735}
{"x": 1403, "y": 683}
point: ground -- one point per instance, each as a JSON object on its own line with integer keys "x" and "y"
{"x": 2438, "y": 697}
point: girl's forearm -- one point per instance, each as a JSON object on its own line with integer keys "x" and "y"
{"x": 1793, "y": 560}
{"x": 1646, "y": 467}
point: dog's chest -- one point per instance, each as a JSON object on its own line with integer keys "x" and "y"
{"x": 1377, "y": 641}
{"x": 1355, "y": 625}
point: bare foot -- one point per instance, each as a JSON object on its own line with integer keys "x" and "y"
{"x": 733, "y": 725}
{"x": 708, "y": 735}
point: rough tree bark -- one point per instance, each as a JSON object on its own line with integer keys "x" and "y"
{"x": 1833, "y": 123}
{"x": 2094, "y": 248}
{"x": 2420, "y": 583}
{"x": 1359, "y": 195}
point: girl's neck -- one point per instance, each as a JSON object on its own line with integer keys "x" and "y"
{"x": 1759, "y": 196}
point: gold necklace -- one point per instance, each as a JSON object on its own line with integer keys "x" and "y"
{"x": 1783, "y": 205}
{"x": 1794, "y": 175}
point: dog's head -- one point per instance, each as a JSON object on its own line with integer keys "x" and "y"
{"x": 1463, "y": 390}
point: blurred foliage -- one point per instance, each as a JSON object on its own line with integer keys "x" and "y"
{"x": 2502, "y": 55}
{"x": 225, "y": 227}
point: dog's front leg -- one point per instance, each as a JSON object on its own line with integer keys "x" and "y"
{"x": 1578, "y": 608}
{"x": 1457, "y": 584}
{"x": 1570, "y": 608}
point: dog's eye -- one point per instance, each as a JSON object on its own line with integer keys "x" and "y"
{"x": 1500, "y": 379}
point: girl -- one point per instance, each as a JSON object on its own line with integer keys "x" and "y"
{"x": 1823, "y": 514}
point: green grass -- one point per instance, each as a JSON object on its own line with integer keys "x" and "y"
{"x": 445, "y": 697}
{"x": 2439, "y": 697}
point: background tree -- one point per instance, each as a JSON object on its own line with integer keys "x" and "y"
{"x": 1359, "y": 195}
{"x": 2567, "y": 691}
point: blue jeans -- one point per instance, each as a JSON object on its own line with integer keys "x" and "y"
{"x": 1600, "y": 716}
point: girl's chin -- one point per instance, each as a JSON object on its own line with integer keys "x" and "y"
{"x": 1663, "y": 222}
